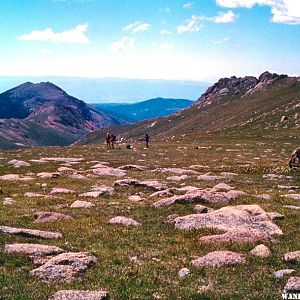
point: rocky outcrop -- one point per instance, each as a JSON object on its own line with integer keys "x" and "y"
{"x": 242, "y": 223}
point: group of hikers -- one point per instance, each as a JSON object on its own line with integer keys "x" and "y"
{"x": 111, "y": 139}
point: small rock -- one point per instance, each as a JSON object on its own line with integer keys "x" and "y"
{"x": 292, "y": 286}
{"x": 292, "y": 256}
{"x": 48, "y": 175}
{"x": 178, "y": 178}
{"x": 264, "y": 196}
{"x": 207, "y": 177}
{"x": 275, "y": 216}
{"x": 133, "y": 168}
{"x": 135, "y": 198}
{"x": 200, "y": 209}
{"x": 18, "y": 163}
{"x": 9, "y": 201}
{"x": 261, "y": 251}
{"x": 281, "y": 273}
{"x": 218, "y": 259}
{"x": 171, "y": 218}
{"x": 80, "y": 295}
{"x": 61, "y": 191}
{"x": 82, "y": 204}
{"x": 183, "y": 272}
{"x": 164, "y": 193}
{"x": 108, "y": 171}
{"x": 123, "y": 221}
{"x": 293, "y": 207}
{"x": 223, "y": 187}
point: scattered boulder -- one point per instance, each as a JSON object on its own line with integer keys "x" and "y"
{"x": 98, "y": 191}
{"x": 135, "y": 198}
{"x": 264, "y": 196}
{"x": 281, "y": 273}
{"x": 292, "y": 286}
{"x": 292, "y": 256}
{"x": 261, "y": 251}
{"x": 65, "y": 266}
{"x": 123, "y": 221}
{"x": 222, "y": 187}
{"x": 62, "y": 191}
{"x": 80, "y": 295}
{"x": 16, "y": 177}
{"x": 18, "y": 163}
{"x": 9, "y": 201}
{"x": 208, "y": 177}
{"x": 82, "y": 204}
{"x": 241, "y": 223}
{"x": 45, "y": 217}
{"x": 218, "y": 259}
{"x": 30, "y": 232}
{"x": 183, "y": 272}
{"x": 178, "y": 178}
{"x": 48, "y": 175}
{"x": 108, "y": 171}
{"x": 133, "y": 168}
{"x": 154, "y": 185}
{"x": 32, "y": 249}
{"x": 163, "y": 193}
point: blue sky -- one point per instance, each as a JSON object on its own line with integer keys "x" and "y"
{"x": 199, "y": 40}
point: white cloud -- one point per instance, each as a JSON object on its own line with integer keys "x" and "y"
{"x": 123, "y": 44}
{"x": 164, "y": 31}
{"x": 166, "y": 46}
{"x": 221, "y": 41}
{"x": 192, "y": 25}
{"x": 137, "y": 27}
{"x": 283, "y": 11}
{"x": 188, "y": 5}
{"x": 224, "y": 17}
{"x": 71, "y": 36}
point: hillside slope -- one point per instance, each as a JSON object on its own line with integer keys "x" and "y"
{"x": 248, "y": 105}
{"x": 44, "y": 115}
{"x": 158, "y": 107}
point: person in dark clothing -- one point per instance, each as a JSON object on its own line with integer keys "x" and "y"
{"x": 147, "y": 140}
{"x": 113, "y": 140}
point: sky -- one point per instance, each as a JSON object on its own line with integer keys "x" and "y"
{"x": 199, "y": 40}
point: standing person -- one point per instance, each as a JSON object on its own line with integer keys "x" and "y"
{"x": 108, "y": 140}
{"x": 147, "y": 140}
{"x": 113, "y": 140}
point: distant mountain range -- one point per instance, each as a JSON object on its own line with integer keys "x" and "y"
{"x": 44, "y": 115}
{"x": 248, "y": 106}
{"x": 107, "y": 90}
{"x": 158, "y": 107}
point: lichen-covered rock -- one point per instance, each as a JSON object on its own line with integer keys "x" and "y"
{"x": 62, "y": 191}
{"x": 163, "y": 193}
{"x": 48, "y": 175}
{"x": 218, "y": 259}
{"x": 123, "y": 221}
{"x": 178, "y": 178}
{"x": 18, "y": 163}
{"x": 80, "y": 295}
{"x": 183, "y": 272}
{"x": 15, "y": 177}
{"x": 247, "y": 223}
{"x": 292, "y": 286}
{"x": 30, "y": 232}
{"x": 65, "y": 266}
{"x": 261, "y": 251}
{"x": 45, "y": 217}
{"x": 32, "y": 249}
{"x": 108, "y": 171}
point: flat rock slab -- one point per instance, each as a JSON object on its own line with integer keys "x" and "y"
{"x": 241, "y": 223}
{"x": 18, "y": 163}
{"x": 176, "y": 171}
{"x": 292, "y": 196}
{"x": 219, "y": 259}
{"x": 178, "y": 178}
{"x": 261, "y": 251}
{"x": 281, "y": 273}
{"x": 292, "y": 256}
{"x": 154, "y": 185}
{"x": 82, "y": 204}
{"x": 123, "y": 221}
{"x": 207, "y": 177}
{"x": 32, "y": 249}
{"x": 62, "y": 159}
{"x": 65, "y": 266}
{"x": 292, "y": 286}
{"x": 206, "y": 195}
{"x": 45, "y": 217}
{"x": 48, "y": 175}
{"x": 98, "y": 191}
{"x": 80, "y": 295}
{"x": 293, "y": 207}
{"x": 62, "y": 191}
{"x": 36, "y": 195}
{"x": 9, "y": 201}
{"x": 163, "y": 193}
{"x": 30, "y": 232}
{"x": 108, "y": 171}
{"x": 133, "y": 168}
